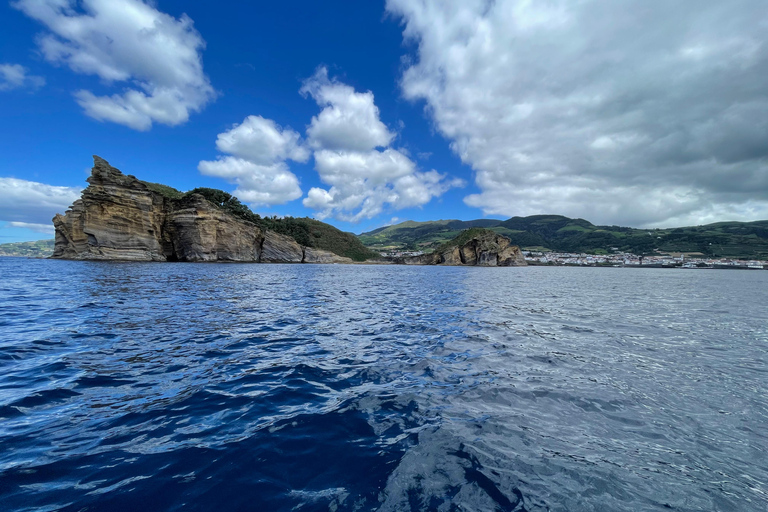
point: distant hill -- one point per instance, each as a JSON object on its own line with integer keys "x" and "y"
{"x": 39, "y": 249}
{"x": 745, "y": 240}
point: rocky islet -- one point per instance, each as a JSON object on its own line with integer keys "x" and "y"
{"x": 119, "y": 217}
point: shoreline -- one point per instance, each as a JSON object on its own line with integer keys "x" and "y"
{"x": 384, "y": 263}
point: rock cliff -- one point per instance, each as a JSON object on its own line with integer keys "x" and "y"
{"x": 119, "y": 217}
{"x": 478, "y": 247}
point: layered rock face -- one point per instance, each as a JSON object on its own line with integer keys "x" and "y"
{"x": 120, "y": 218}
{"x": 312, "y": 255}
{"x": 117, "y": 217}
{"x": 486, "y": 250}
{"x": 278, "y": 248}
{"x": 198, "y": 231}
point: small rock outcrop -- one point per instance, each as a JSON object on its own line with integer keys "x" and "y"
{"x": 280, "y": 249}
{"x": 312, "y": 255}
{"x": 119, "y": 217}
{"x": 477, "y": 247}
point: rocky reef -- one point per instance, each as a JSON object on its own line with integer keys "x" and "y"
{"x": 475, "y": 247}
{"x": 119, "y": 217}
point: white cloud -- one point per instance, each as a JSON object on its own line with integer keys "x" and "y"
{"x": 364, "y": 183}
{"x": 260, "y": 147}
{"x": 349, "y": 120}
{"x": 47, "y": 229}
{"x": 375, "y": 167}
{"x": 127, "y": 41}
{"x": 641, "y": 112}
{"x": 256, "y": 184}
{"x": 16, "y": 76}
{"x": 32, "y": 202}
{"x": 363, "y": 180}
{"x": 424, "y": 155}
{"x": 262, "y": 141}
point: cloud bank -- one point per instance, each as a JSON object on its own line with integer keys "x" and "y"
{"x": 29, "y": 203}
{"x": 642, "y": 112}
{"x": 130, "y": 41}
{"x": 47, "y": 229}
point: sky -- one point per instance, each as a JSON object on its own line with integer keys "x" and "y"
{"x": 643, "y": 113}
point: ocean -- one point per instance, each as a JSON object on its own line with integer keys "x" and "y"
{"x": 140, "y": 386}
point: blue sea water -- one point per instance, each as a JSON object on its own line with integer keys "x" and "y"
{"x": 130, "y": 387}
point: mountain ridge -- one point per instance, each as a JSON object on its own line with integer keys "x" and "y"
{"x": 745, "y": 240}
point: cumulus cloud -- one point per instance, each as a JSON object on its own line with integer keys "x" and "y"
{"x": 350, "y": 145}
{"x": 363, "y": 180}
{"x": 16, "y": 76}
{"x": 257, "y": 184}
{"x": 262, "y": 141}
{"x": 364, "y": 183}
{"x": 30, "y": 202}
{"x": 349, "y": 119}
{"x": 130, "y": 41}
{"x": 641, "y": 112}
{"x": 258, "y": 149}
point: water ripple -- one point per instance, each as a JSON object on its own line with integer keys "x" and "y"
{"x": 308, "y": 387}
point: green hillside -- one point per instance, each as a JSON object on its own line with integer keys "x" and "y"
{"x": 745, "y": 240}
{"x": 39, "y": 249}
{"x": 313, "y": 233}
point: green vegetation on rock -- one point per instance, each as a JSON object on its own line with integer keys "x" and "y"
{"x": 464, "y": 237}
{"x": 420, "y": 236}
{"x": 163, "y": 190}
{"x": 227, "y": 202}
{"x": 313, "y": 233}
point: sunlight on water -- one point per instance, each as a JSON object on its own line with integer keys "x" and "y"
{"x": 275, "y": 387}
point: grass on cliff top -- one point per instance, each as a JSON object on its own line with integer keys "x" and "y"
{"x": 464, "y": 237}
{"x": 163, "y": 190}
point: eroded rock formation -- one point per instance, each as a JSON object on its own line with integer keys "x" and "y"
{"x": 312, "y": 255}
{"x": 119, "y": 218}
{"x": 278, "y": 248}
{"x": 485, "y": 249}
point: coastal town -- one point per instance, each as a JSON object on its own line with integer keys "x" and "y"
{"x": 621, "y": 259}
{"x": 673, "y": 260}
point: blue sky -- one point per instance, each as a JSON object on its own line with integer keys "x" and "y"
{"x": 367, "y": 113}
